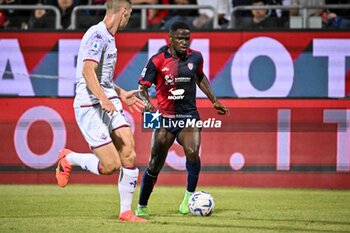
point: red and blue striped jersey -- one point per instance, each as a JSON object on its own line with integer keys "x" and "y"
{"x": 175, "y": 81}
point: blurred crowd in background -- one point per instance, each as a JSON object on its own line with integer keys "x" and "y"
{"x": 198, "y": 19}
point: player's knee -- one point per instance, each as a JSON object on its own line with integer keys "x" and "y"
{"x": 110, "y": 168}
{"x": 154, "y": 170}
{"x": 192, "y": 154}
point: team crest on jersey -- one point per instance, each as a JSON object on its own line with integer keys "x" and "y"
{"x": 190, "y": 65}
{"x": 103, "y": 136}
{"x": 169, "y": 79}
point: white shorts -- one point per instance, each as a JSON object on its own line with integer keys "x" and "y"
{"x": 96, "y": 124}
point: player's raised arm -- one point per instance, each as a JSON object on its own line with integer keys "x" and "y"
{"x": 89, "y": 74}
{"x": 143, "y": 95}
{"x": 204, "y": 85}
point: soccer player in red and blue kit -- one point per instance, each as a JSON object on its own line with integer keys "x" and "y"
{"x": 175, "y": 70}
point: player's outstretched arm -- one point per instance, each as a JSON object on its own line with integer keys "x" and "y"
{"x": 143, "y": 95}
{"x": 204, "y": 85}
{"x": 129, "y": 98}
{"x": 89, "y": 74}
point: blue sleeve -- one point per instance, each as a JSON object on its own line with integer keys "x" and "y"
{"x": 149, "y": 74}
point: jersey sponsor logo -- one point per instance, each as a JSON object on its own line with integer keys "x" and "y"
{"x": 190, "y": 65}
{"x": 111, "y": 55}
{"x": 176, "y": 94}
{"x": 183, "y": 79}
{"x": 169, "y": 79}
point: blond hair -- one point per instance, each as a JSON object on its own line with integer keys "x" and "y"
{"x": 114, "y": 5}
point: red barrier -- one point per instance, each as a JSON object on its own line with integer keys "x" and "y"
{"x": 262, "y": 143}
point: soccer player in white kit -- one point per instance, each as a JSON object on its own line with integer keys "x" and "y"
{"x": 99, "y": 113}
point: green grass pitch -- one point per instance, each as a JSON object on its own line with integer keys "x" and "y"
{"x": 94, "y": 208}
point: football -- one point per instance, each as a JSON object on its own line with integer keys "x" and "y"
{"x": 201, "y": 204}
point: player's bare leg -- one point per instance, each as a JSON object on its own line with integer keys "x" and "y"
{"x": 109, "y": 161}
{"x": 162, "y": 139}
{"x": 190, "y": 139}
{"x": 105, "y": 160}
{"x": 127, "y": 177}
{"x": 124, "y": 143}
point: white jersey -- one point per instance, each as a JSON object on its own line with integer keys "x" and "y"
{"x": 97, "y": 45}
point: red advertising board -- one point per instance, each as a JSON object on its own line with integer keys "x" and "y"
{"x": 262, "y": 143}
{"x": 290, "y": 64}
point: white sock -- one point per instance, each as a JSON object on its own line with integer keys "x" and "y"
{"x": 86, "y": 161}
{"x": 127, "y": 185}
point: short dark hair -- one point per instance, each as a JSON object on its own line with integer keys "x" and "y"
{"x": 179, "y": 25}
